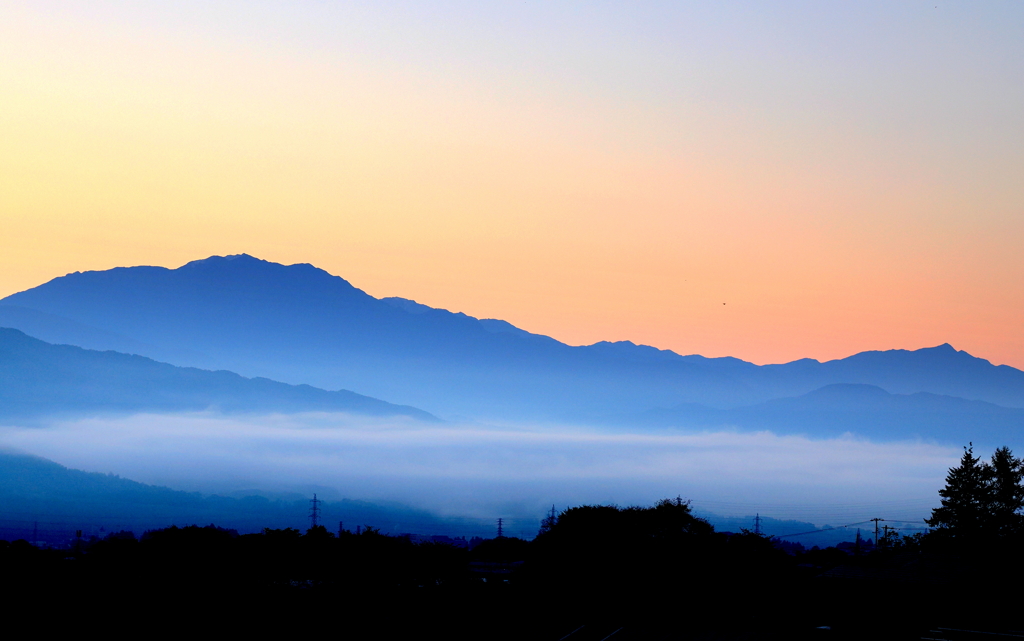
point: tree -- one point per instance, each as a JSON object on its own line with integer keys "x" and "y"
{"x": 1006, "y": 493}
{"x": 549, "y": 522}
{"x": 966, "y": 500}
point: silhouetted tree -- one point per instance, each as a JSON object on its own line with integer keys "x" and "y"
{"x": 608, "y": 552}
{"x": 966, "y": 500}
{"x": 548, "y": 522}
{"x": 319, "y": 532}
{"x": 1006, "y": 493}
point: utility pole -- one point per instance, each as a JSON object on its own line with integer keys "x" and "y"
{"x": 340, "y": 527}
{"x": 501, "y": 534}
{"x": 876, "y": 520}
{"x": 885, "y": 533}
{"x": 757, "y": 524}
{"x": 314, "y": 512}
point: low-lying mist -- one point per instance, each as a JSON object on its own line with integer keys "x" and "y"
{"x": 510, "y": 470}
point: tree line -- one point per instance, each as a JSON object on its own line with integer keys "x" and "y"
{"x": 658, "y": 566}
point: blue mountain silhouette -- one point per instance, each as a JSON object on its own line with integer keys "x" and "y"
{"x": 299, "y": 324}
{"x": 863, "y": 410}
{"x": 39, "y": 380}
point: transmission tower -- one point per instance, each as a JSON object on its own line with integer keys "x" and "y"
{"x": 757, "y": 523}
{"x": 501, "y": 534}
{"x": 314, "y": 512}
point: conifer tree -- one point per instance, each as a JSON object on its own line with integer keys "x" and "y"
{"x": 1006, "y": 493}
{"x": 966, "y": 500}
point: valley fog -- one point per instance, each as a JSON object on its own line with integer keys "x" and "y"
{"x": 512, "y": 470}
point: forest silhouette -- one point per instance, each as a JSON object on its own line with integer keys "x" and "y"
{"x": 656, "y": 569}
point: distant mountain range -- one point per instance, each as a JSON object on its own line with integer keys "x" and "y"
{"x": 40, "y": 380}
{"x": 863, "y": 410}
{"x": 301, "y": 325}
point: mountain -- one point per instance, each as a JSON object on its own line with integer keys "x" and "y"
{"x": 38, "y": 379}
{"x": 862, "y": 410}
{"x": 38, "y": 495}
{"x": 299, "y": 324}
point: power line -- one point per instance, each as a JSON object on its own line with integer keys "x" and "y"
{"x": 839, "y": 527}
{"x": 899, "y": 521}
{"x": 827, "y": 529}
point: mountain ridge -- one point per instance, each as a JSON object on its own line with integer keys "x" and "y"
{"x": 300, "y": 324}
{"x": 39, "y": 380}
{"x": 866, "y": 411}
{"x": 41, "y": 496}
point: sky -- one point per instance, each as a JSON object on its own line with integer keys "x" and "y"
{"x": 764, "y": 180}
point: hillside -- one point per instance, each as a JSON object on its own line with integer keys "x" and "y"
{"x": 38, "y": 494}
{"x": 38, "y": 379}
{"x": 54, "y": 500}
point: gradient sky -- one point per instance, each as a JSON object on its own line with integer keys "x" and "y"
{"x": 843, "y": 175}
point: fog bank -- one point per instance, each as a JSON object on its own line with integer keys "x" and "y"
{"x": 520, "y": 470}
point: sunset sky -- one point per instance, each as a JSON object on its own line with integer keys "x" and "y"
{"x": 843, "y": 176}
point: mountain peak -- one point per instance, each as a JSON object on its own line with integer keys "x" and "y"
{"x": 944, "y": 351}
{"x": 249, "y": 271}
{"x": 947, "y": 352}
{"x": 239, "y": 258}
{"x": 231, "y": 260}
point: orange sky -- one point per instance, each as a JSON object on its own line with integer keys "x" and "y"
{"x": 841, "y": 182}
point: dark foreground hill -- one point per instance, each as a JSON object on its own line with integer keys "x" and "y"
{"x": 299, "y": 324}
{"x": 39, "y": 380}
{"x": 593, "y": 573}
